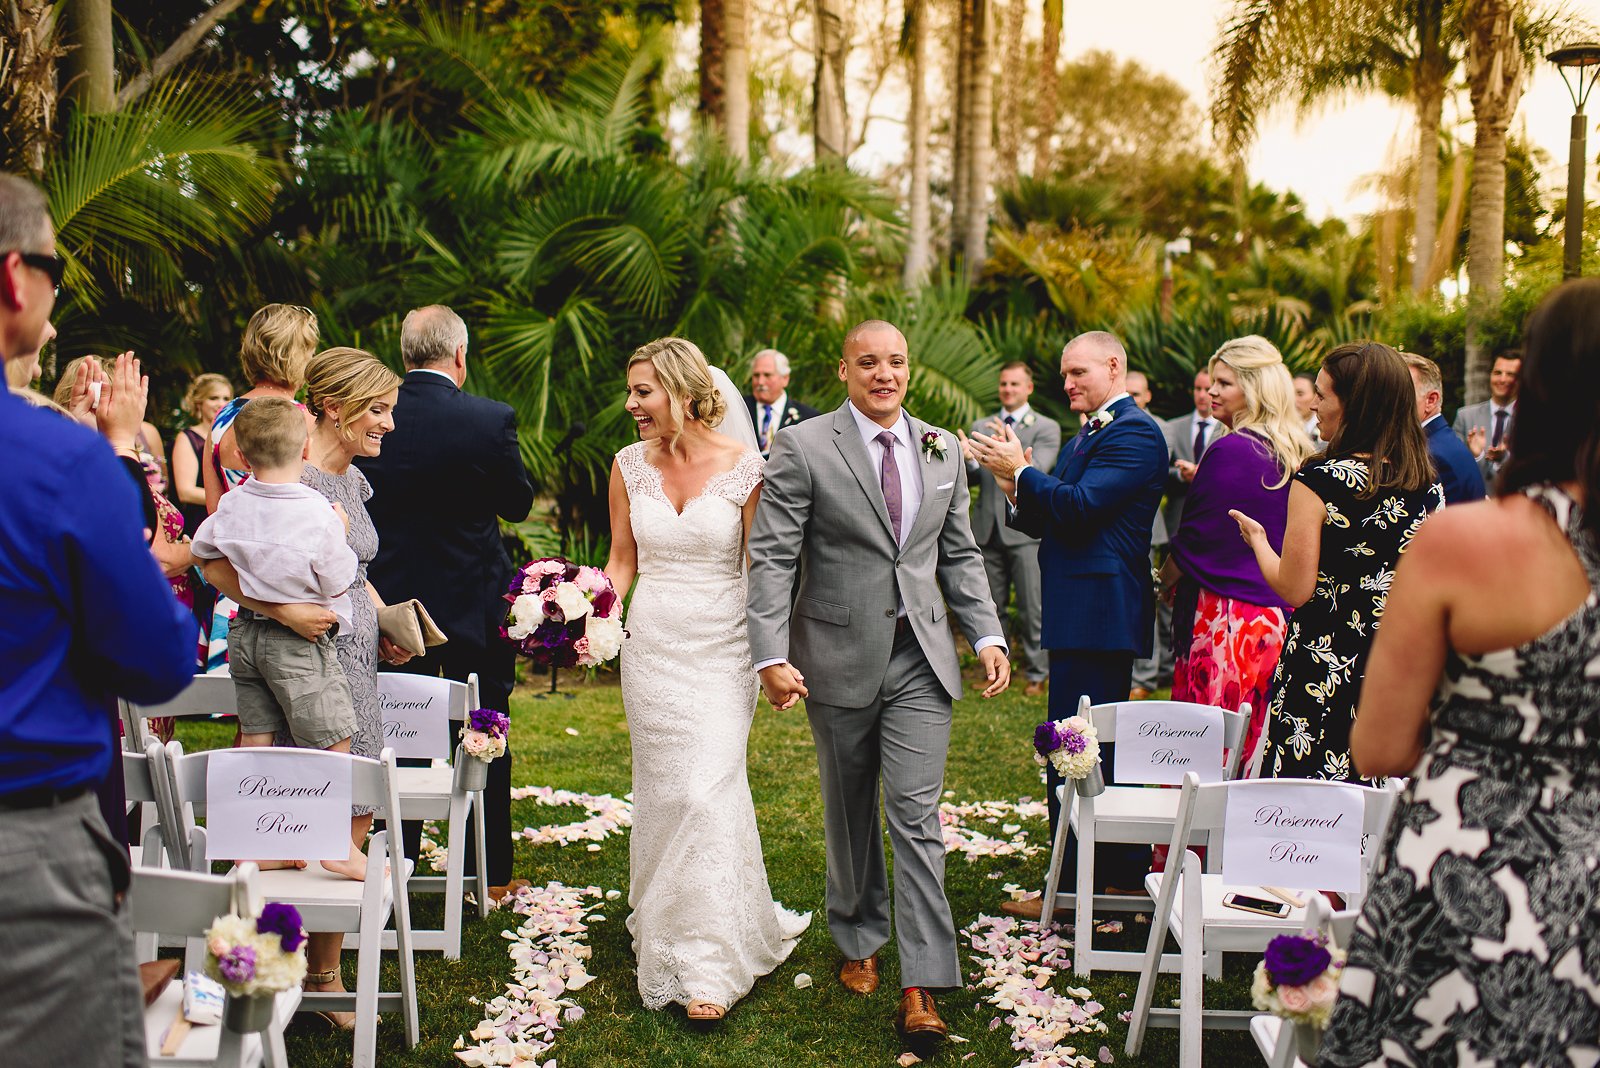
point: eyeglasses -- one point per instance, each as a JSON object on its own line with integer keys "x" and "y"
{"x": 49, "y": 263}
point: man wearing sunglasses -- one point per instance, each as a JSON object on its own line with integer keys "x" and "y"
{"x": 85, "y": 617}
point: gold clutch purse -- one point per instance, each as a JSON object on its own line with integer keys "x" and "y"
{"x": 409, "y": 626}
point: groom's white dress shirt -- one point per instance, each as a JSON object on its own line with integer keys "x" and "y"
{"x": 906, "y": 459}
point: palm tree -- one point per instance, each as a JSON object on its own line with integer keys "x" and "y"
{"x": 830, "y": 130}
{"x": 919, "y": 242}
{"x": 1495, "y": 79}
{"x": 736, "y": 78}
{"x": 1049, "y": 89}
{"x": 972, "y": 230}
{"x": 1313, "y": 50}
{"x": 713, "y": 73}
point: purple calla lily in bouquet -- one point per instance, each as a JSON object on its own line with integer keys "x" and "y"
{"x": 563, "y": 615}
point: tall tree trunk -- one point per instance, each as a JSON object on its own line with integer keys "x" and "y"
{"x": 961, "y": 133}
{"x": 1012, "y": 105}
{"x": 1425, "y": 200}
{"x": 919, "y": 252}
{"x": 736, "y": 84}
{"x": 1049, "y": 106}
{"x": 91, "y": 65}
{"x": 29, "y": 102}
{"x": 1430, "y": 81}
{"x": 1494, "y": 76}
{"x": 713, "y": 62}
{"x": 830, "y": 130}
{"x": 975, "y": 233}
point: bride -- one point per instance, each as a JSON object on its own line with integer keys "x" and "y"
{"x": 703, "y": 921}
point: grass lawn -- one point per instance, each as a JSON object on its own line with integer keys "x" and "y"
{"x": 777, "y": 1025}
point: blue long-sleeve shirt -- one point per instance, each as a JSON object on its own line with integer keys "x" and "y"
{"x": 86, "y": 615}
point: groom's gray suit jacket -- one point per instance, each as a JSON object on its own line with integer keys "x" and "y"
{"x": 826, "y": 575}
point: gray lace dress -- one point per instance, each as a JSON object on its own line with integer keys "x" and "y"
{"x": 357, "y": 648}
{"x": 1480, "y": 941}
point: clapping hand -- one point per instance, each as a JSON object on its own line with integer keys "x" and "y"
{"x": 120, "y": 411}
{"x": 783, "y": 685}
{"x": 1000, "y": 452}
{"x": 1186, "y": 469}
{"x": 1477, "y": 438}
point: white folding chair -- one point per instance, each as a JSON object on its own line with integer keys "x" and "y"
{"x": 1189, "y": 906}
{"x": 434, "y": 793}
{"x": 206, "y": 696}
{"x": 1277, "y": 1043}
{"x": 330, "y": 902}
{"x": 143, "y": 775}
{"x": 1125, "y": 813}
{"x": 184, "y": 903}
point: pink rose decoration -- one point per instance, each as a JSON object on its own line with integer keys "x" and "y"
{"x": 1294, "y": 998}
{"x": 1323, "y": 991}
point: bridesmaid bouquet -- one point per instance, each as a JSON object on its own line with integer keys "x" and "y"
{"x": 260, "y": 955}
{"x": 563, "y": 615}
{"x": 1298, "y": 979}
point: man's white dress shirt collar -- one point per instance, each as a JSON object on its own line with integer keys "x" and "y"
{"x": 433, "y": 371}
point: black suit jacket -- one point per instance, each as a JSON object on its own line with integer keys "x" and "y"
{"x": 448, "y": 470}
{"x": 793, "y": 412}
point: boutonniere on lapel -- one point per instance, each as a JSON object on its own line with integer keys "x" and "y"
{"x": 1028, "y": 420}
{"x": 1100, "y": 420}
{"x": 932, "y": 446}
{"x": 791, "y": 417}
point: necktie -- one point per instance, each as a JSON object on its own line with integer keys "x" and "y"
{"x": 1499, "y": 427}
{"x": 890, "y": 477}
{"x": 1010, "y": 419}
{"x": 766, "y": 428}
{"x": 1199, "y": 439}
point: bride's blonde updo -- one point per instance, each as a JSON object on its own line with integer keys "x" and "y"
{"x": 683, "y": 372}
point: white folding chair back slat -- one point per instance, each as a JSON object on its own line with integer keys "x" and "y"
{"x": 183, "y": 903}
{"x": 330, "y": 902}
{"x": 431, "y": 794}
{"x": 1124, "y": 813}
{"x": 206, "y": 696}
{"x": 1189, "y": 906}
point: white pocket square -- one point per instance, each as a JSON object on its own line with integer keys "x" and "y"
{"x": 947, "y": 485}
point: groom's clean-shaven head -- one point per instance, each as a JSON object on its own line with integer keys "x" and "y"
{"x": 1094, "y": 367}
{"x": 874, "y": 369}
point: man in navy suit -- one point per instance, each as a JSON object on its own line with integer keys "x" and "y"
{"x": 1094, "y": 515}
{"x": 451, "y": 469}
{"x": 1456, "y": 466}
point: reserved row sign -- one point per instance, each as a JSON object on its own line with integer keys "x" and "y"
{"x": 1160, "y": 743}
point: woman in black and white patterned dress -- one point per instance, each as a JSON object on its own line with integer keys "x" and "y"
{"x": 1480, "y": 941}
{"x": 1349, "y": 521}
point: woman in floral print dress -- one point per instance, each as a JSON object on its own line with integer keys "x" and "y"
{"x": 1350, "y": 519}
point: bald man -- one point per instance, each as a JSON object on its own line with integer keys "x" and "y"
{"x": 1093, "y": 514}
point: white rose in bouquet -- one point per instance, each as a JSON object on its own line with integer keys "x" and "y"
{"x": 605, "y": 638}
{"x": 527, "y": 612}
{"x": 572, "y": 602}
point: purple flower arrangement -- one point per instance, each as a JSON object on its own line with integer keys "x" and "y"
{"x": 1072, "y": 745}
{"x": 484, "y": 734}
{"x": 1298, "y": 978}
{"x": 251, "y": 955}
{"x": 563, "y": 615}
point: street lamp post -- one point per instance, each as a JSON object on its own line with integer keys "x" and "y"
{"x": 1583, "y": 60}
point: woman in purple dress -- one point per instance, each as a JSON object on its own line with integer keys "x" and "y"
{"x": 1228, "y": 624}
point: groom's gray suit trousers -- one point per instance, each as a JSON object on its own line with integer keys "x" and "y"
{"x": 900, "y": 738}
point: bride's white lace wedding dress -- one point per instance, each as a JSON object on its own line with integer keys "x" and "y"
{"x": 704, "y": 924}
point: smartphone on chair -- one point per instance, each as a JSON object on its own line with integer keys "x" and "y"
{"x": 1261, "y": 906}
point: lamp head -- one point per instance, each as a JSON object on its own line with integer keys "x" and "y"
{"x": 1583, "y": 58}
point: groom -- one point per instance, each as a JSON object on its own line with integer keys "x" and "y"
{"x": 860, "y": 541}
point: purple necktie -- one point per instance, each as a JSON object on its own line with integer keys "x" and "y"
{"x": 890, "y": 476}
{"x": 1199, "y": 441}
{"x": 1499, "y": 427}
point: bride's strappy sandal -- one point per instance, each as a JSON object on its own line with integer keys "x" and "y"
{"x": 701, "y": 1011}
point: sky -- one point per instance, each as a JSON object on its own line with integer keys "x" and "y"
{"x": 1324, "y": 157}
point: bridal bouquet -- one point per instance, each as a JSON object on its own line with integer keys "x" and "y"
{"x": 563, "y": 615}
{"x": 1298, "y": 979}
{"x": 484, "y": 734}
{"x": 259, "y": 955}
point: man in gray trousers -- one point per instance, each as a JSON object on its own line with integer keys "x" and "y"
{"x": 860, "y": 541}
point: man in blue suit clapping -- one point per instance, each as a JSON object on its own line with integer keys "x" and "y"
{"x": 1093, "y": 514}
{"x": 1453, "y": 462}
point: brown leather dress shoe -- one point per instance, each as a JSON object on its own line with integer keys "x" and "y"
{"x": 1139, "y": 693}
{"x": 1034, "y": 688}
{"x": 860, "y": 976}
{"x": 1030, "y": 909}
{"x": 498, "y": 894}
{"x": 918, "y": 1021}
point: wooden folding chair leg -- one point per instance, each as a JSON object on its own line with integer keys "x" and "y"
{"x": 1191, "y": 981}
{"x": 481, "y": 837}
{"x": 1052, "y": 879}
{"x": 1083, "y": 906}
{"x": 455, "y": 879}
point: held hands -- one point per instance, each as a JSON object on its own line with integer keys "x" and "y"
{"x": 783, "y": 685}
{"x": 996, "y": 668}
